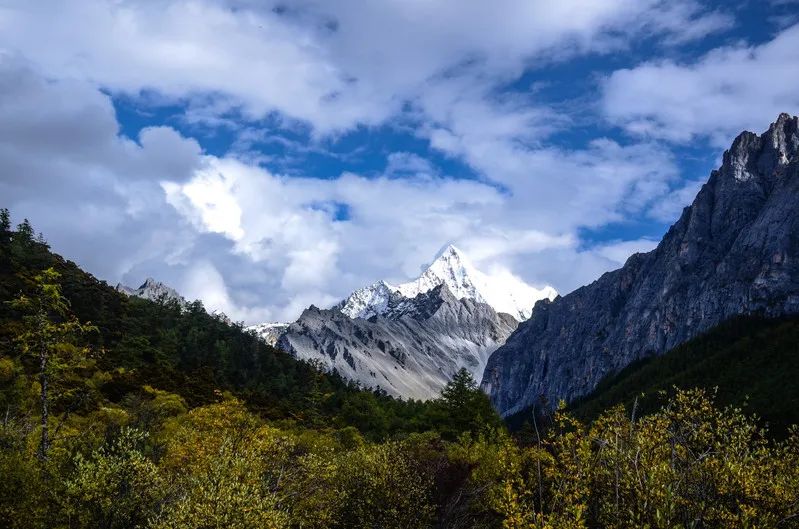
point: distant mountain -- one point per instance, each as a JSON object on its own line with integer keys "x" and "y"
{"x": 734, "y": 251}
{"x": 411, "y": 349}
{"x": 451, "y": 268}
{"x": 152, "y": 290}
{"x": 410, "y": 339}
{"x": 269, "y": 332}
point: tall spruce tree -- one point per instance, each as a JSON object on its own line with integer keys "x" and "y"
{"x": 50, "y": 332}
{"x": 5, "y": 236}
{"x": 467, "y": 408}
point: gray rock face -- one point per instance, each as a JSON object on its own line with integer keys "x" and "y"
{"x": 411, "y": 350}
{"x": 152, "y": 290}
{"x": 734, "y": 251}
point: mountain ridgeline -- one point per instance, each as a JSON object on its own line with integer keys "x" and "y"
{"x": 409, "y": 340}
{"x": 734, "y": 251}
{"x": 411, "y": 350}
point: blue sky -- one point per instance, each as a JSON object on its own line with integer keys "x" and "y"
{"x": 263, "y": 156}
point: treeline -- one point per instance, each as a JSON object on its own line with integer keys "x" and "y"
{"x": 124, "y": 413}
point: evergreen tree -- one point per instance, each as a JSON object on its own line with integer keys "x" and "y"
{"x": 5, "y": 221}
{"x": 466, "y": 407}
{"x": 5, "y": 236}
{"x": 49, "y": 331}
{"x": 41, "y": 240}
{"x": 25, "y": 231}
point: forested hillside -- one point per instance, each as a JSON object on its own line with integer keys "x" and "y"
{"x": 191, "y": 353}
{"x": 748, "y": 362}
{"x": 125, "y": 413}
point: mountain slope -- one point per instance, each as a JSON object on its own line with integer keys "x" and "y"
{"x": 748, "y": 361}
{"x": 410, "y": 350}
{"x": 452, "y": 268}
{"x": 734, "y": 251}
{"x": 166, "y": 345}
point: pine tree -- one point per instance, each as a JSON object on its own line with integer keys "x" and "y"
{"x": 466, "y": 407}
{"x": 5, "y": 232}
{"x": 25, "y": 231}
{"x": 41, "y": 240}
{"x": 458, "y": 393}
{"x": 50, "y": 330}
{"x": 5, "y": 221}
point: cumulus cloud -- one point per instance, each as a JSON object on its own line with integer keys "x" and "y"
{"x": 308, "y": 61}
{"x": 63, "y": 163}
{"x": 727, "y": 90}
{"x": 260, "y": 244}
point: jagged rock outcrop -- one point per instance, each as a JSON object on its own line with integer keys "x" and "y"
{"x": 411, "y": 350}
{"x": 152, "y": 290}
{"x": 735, "y": 250}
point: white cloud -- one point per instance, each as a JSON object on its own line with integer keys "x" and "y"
{"x": 727, "y": 90}
{"x": 307, "y": 60}
{"x": 617, "y": 252}
{"x": 63, "y": 164}
{"x": 395, "y": 225}
{"x": 260, "y": 245}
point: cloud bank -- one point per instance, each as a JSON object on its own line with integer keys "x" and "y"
{"x": 233, "y": 229}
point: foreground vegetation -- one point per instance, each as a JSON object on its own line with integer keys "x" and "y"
{"x": 122, "y": 413}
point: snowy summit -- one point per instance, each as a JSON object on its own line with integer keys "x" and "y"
{"x": 504, "y": 292}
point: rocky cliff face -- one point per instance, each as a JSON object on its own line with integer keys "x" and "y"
{"x": 735, "y": 250}
{"x": 411, "y": 350}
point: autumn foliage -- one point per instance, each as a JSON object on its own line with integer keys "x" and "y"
{"x": 125, "y": 438}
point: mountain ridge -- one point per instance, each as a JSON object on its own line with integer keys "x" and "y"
{"x": 411, "y": 350}
{"x": 152, "y": 290}
{"x": 453, "y": 268}
{"x": 733, "y": 251}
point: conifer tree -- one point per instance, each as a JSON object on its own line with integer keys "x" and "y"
{"x": 466, "y": 406}
{"x": 5, "y": 221}
{"x": 25, "y": 231}
{"x": 5, "y": 231}
{"x": 50, "y": 330}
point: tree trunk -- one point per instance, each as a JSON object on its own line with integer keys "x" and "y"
{"x": 43, "y": 379}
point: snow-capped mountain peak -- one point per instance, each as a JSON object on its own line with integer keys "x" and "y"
{"x": 452, "y": 268}
{"x": 369, "y": 301}
{"x": 269, "y": 332}
{"x": 502, "y": 290}
{"x": 152, "y": 290}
